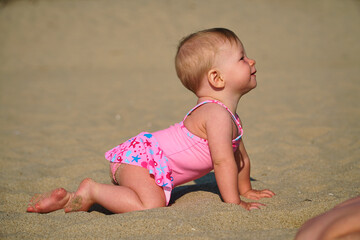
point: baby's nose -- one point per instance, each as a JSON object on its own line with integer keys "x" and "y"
{"x": 252, "y": 62}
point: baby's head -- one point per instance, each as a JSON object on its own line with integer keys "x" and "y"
{"x": 196, "y": 54}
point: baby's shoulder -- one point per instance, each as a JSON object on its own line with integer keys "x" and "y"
{"x": 214, "y": 113}
{"x": 209, "y": 113}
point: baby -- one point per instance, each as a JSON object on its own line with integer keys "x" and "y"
{"x": 212, "y": 64}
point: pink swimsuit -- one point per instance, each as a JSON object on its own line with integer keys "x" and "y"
{"x": 173, "y": 156}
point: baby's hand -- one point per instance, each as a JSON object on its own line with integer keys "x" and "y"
{"x": 258, "y": 194}
{"x": 251, "y": 205}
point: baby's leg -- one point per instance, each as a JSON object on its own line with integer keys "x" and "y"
{"x": 137, "y": 190}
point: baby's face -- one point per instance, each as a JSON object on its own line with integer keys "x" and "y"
{"x": 237, "y": 70}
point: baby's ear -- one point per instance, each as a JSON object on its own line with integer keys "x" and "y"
{"x": 215, "y": 79}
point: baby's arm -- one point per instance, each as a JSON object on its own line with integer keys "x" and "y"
{"x": 220, "y": 144}
{"x": 244, "y": 184}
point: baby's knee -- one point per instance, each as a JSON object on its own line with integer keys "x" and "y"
{"x": 152, "y": 206}
{"x": 154, "y": 203}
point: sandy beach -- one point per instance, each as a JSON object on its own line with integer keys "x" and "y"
{"x": 79, "y": 77}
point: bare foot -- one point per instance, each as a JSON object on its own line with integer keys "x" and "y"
{"x": 81, "y": 200}
{"x": 49, "y": 202}
{"x": 62, "y": 199}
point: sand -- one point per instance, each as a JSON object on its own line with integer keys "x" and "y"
{"x": 79, "y": 77}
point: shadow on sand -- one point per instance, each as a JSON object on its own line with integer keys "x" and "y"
{"x": 206, "y": 183}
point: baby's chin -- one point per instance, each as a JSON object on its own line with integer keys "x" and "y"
{"x": 249, "y": 89}
{"x": 253, "y": 82}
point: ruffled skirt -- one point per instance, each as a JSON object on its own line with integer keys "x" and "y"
{"x": 144, "y": 151}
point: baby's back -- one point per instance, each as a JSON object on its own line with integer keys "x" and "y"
{"x": 188, "y": 155}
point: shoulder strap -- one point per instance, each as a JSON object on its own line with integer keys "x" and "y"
{"x": 236, "y": 119}
{"x": 194, "y": 108}
{"x": 212, "y": 101}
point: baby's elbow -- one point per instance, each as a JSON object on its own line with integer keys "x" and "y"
{"x": 241, "y": 162}
{"x": 223, "y": 166}
{"x": 223, "y": 161}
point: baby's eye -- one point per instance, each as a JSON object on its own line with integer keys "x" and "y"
{"x": 241, "y": 58}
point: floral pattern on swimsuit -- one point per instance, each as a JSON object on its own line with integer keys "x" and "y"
{"x": 143, "y": 150}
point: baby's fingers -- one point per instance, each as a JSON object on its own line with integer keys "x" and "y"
{"x": 253, "y": 196}
{"x": 255, "y": 205}
{"x": 251, "y": 205}
{"x": 266, "y": 193}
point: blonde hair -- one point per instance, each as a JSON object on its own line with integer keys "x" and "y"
{"x": 196, "y": 54}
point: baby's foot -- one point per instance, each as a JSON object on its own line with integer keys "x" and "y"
{"x": 49, "y": 202}
{"x": 81, "y": 200}
{"x": 62, "y": 199}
